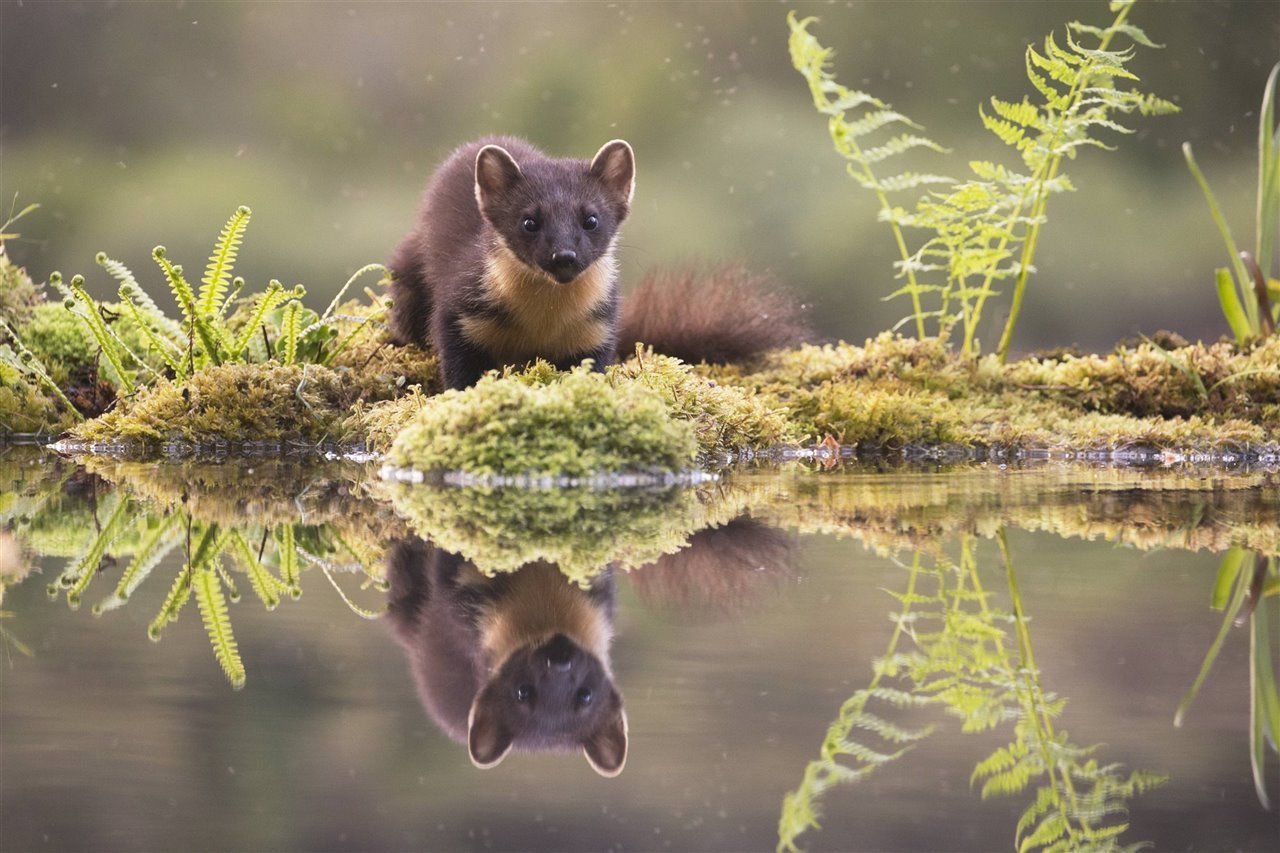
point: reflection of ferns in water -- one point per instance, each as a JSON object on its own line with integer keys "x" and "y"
{"x": 209, "y": 548}
{"x": 963, "y": 661}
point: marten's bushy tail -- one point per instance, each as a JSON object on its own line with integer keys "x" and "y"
{"x": 718, "y": 315}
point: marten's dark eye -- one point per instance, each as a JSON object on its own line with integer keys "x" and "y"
{"x": 590, "y": 222}
{"x": 524, "y": 693}
{"x": 584, "y": 697}
{"x": 530, "y": 224}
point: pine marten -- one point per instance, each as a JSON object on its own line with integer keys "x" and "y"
{"x": 512, "y": 259}
{"x": 517, "y": 660}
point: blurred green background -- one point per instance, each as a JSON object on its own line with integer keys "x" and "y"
{"x": 137, "y": 123}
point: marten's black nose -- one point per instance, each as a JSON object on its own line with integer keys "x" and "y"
{"x": 559, "y": 652}
{"x": 564, "y": 265}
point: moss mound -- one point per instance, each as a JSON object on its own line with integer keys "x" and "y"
{"x": 236, "y": 402}
{"x": 894, "y": 392}
{"x": 539, "y": 422}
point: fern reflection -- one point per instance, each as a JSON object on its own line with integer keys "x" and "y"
{"x": 951, "y": 648}
{"x": 199, "y": 540}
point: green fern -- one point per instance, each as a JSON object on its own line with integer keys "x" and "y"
{"x": 157, "y": 544}
{"x": 177, "y": 598}
{"x": 967, "y": 662}
{"x": 264, "y": 584}
{"x": 290, "y": 330}
{"x": 113, "y": 349}
{"x": 77, "y": 577}
{"x": 217, "y": 623}
{"x": 217, "y": 274}
{"x": 985, "y": 230}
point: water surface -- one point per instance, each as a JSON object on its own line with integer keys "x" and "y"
{"x": 851, "y": 642}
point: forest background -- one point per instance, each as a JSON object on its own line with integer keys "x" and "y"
{"x": 137, "y": 123}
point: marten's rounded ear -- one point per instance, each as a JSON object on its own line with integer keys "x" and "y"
{"x": 615, "y": 166}
{"x": 606, "y": 747}
{"x": 489, "y": 739}
{"x": 496, "y": 172}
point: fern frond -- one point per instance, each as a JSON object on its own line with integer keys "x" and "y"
{"x": 1008, "y": 132}
{"x": 908, "y": 180}
{"x": 267, "y": 301}
{"x": 179, "y": 594}
{"x": 1050, "y": 828}
{"x": 167, "y": 350}
{"x": 264, "y": 584}
{"x": 288, "y": 556}
{"x": 898, "y": 145}
{"x": 887, "y": 730}
{"x": 113, "y": 349}
{"x": 217, "y": 624}
{"x": 157, "y": 544}
{"x": 141, "y": 299}
{"x": 78, "y": 577}
{"x": 197, "y": 324}
{"x": 290, "y": 328}
{"x": 217, "y": 275}
{"x": 1124, "y": 29}
{"x": 1024, "y": 114}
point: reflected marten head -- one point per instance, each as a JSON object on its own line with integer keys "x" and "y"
{"x": 517, "y": 661}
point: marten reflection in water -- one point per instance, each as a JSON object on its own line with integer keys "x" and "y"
{"x": 522, "y": 660}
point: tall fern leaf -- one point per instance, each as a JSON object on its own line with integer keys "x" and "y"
{"x": 113, "y": 349}
{"x": 217, "y": 624}
{"x": 217, "y": 275}
{"x": 158, "y": 543}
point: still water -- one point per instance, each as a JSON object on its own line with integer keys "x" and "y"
{"x": 282, "y": 655}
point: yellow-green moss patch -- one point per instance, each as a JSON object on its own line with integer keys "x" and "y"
{"x": 576, "y": 424}
{"x": 237, "y": 402}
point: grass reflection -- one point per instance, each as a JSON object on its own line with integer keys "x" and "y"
{"x": 953, "y": 649}
{"x": 1244, "y": 581}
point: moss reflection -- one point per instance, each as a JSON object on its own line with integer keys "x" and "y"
{"x": 951, "y": 648}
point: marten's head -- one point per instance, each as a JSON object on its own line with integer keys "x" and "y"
{"x": 556, "y": 216}
{"x": 550, "y": 695}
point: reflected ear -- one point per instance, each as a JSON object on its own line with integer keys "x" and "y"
{"x": 496, "y": 173}
{"x": 488, "y": 738}
{"x": 615, "y": 166}
{"x": 606, "y": 747}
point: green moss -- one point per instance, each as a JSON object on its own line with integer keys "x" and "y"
{"x": 725, "y": 418}
{"x": 57, "y": 338}
{"x": 579, "y": 530}
{"x": 18, "y": 293}
{"x": 894, "y": 392}
{"x": 27, "y": 407}
{"x": 237, "y": 402}
{"x": 576, "y": 424}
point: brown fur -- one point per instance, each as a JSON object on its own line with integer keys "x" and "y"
{"x": 722, "y": 315}
{"x": 545, "y": 319}
{"x": 474, "y": 643}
